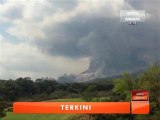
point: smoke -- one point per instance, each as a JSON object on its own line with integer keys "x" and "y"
{"x": 80, "y": 29}
{"x": 112, "y": 46}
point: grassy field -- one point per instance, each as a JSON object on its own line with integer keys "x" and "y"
{"x": 11, "y": 116}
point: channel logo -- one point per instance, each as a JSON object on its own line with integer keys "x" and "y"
{"x": 140, "y": 102}
{"x": 140, "y": 95}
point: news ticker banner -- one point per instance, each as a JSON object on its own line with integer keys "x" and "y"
{"x": 133, "y": 107}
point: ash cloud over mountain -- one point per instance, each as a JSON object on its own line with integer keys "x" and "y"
{"x": 112, "y": 46}
{"x": 65, "y": 34}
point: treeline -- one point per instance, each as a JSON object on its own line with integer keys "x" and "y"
{"x": 25, "y": 89}
{"x": 118, "y": 89}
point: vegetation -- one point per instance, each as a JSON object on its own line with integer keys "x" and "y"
{"x": 148, "y": 80}
{"x": 118, "y": 89}
{"x": 11, "y": 116}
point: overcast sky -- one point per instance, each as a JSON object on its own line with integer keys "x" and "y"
{"x": 41, "y": 38}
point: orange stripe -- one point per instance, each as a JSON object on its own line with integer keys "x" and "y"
{"x": 71, "y": 107}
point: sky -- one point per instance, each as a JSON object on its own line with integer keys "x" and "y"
{"x": 49, "y": 38}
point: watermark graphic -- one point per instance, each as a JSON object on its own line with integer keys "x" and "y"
{"x": 132, "y": 16}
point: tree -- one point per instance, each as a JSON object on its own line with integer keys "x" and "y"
{"x": 150, "y": 80}
{"x": 89, "y": 93}
{"x": 124, "y": 85}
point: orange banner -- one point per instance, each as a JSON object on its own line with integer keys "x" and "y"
{"x": 71, "y": 107}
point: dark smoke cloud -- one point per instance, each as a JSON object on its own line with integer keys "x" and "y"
{"x": 111, "y": 45}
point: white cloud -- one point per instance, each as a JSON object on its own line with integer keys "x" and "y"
{"x": 38, "y": 15}
{"x": 24, "y": 60}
